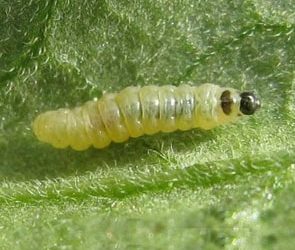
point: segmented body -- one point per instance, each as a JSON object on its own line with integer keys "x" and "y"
{"x": 135, "y": 111}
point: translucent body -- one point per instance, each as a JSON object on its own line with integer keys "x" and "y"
{"x": 135, "y": 111}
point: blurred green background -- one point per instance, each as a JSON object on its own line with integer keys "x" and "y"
{"x": 227, "y": 188}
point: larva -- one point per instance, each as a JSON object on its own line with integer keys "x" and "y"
{"x": 135, "y": 111}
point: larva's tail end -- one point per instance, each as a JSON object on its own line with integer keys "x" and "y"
{"x": 36, "y": 127}
{"x": 45, "y": 129}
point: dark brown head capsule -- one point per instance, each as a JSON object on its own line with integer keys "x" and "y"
{"x": 249, "y": 103}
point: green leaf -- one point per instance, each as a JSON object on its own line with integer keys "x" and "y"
{"x": 228, "y": 188}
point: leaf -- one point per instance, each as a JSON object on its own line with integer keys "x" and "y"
{"x": 230, "y": 187}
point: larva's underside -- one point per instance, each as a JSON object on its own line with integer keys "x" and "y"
{"x": 135, "y": 111}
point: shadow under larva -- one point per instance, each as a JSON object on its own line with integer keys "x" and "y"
{"x": 135, "y": 111}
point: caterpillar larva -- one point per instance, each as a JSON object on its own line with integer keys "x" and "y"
{"x": 135, "y": 111}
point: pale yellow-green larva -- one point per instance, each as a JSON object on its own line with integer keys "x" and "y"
{"x": 135, "y": 111}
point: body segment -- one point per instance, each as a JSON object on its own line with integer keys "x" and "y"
{"x": 135, "y": 111}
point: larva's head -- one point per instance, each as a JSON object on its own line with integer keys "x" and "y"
{"x": 237, "y": 104}
{"x": 223, "y": 105}
{"x": 234, "y": 104}
{"x": 249, "y": 103}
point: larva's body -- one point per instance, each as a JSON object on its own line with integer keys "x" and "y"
{"x": 136, "y": 111}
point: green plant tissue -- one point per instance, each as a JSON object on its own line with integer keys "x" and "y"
{"x": 228, "y": 188}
